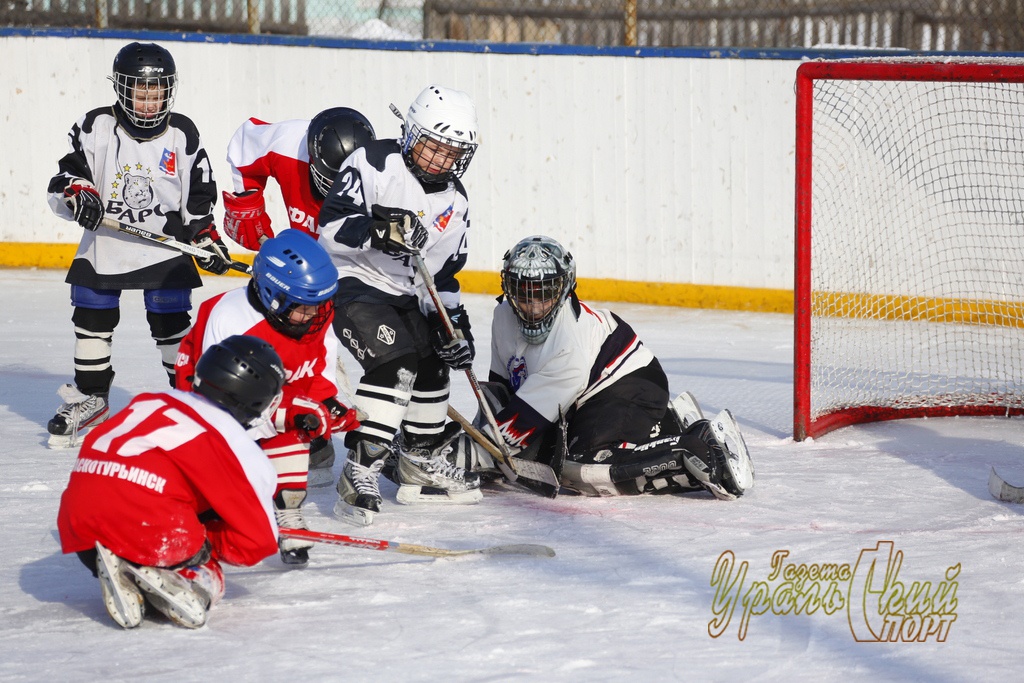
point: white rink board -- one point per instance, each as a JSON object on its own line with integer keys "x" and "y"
{"x": 676, "y": 170}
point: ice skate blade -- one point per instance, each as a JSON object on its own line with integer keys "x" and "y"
{"x": 353, "y": 515}
{"x": 410, "y": 494}
{"x": 184, "y": 608}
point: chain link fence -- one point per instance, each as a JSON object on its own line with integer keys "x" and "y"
{"x": 948, "y": 25}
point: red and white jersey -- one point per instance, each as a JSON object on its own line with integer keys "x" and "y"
{"x": 587, "y": 351}
{"x": 310, "y": 363}
{"x": 260, "y": 150}
{"x": 160, "y": 477}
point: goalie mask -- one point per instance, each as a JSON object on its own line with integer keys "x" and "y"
{"x": 294, "y": 279}
{"x": 243, "y": 375}
{"x": 332, "y": 136}
{"x": 439, "y": 136}
{"x": 537, "y": 277}
{"x": 145, "y": 81}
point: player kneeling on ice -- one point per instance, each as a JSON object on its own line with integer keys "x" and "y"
{"x": 287, "y": 303}
{"x": 173, "y": 485}
{"x": 553, "y": 356}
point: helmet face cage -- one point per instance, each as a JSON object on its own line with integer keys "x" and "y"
{"x": 145, "y": 82}
{"x": 537, "y": 277}
{"x": 291, "y": 271}
{"x": 439, "y": 136}
{"x": 241, "y": 374}
{"x": 332, "y": 136}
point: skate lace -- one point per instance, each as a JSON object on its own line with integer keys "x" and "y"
{"x": 438, "y": 463}
{"x": 291, "y": 518}
{"x": 77, "y": 407}
{"x": 365, "y": 478}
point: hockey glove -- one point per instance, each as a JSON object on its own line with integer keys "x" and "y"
{"x": 218, "y": 261}
{"x": 457, "y": 353}
{"x": 245, "y": 218}
{"x": 84, "y": 201}
{"x": 400, "y": 232}
{"x": 303, "y": 413}
{"x": 343, "y": 418}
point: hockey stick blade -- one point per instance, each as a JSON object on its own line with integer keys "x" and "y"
{"x": 528, "y": 549}
{"x": 169, "y": 242}
{"x": 1003, "y": 491}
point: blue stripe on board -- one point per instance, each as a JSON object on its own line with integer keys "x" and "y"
{"x": 477, "y": 47}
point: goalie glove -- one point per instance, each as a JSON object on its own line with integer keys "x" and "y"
{"x": 245, "y": 218}
{"x": 218, "y": 261}
{"x": 457, "y": 353}
{"x": 400, "y": 232}
{"x": 343, "y": 418}
{"x": 84, "y": 201}
{"x": 305, "y": 414}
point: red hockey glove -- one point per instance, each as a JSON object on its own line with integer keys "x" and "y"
{"x": 302, "y": 412}
{"x": 343, "y": 419}
{"x": 84, "y": 201}
{"x": 246, "y": 220}
{"x": 218, "y": 261}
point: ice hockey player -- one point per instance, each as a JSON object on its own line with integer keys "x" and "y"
{"x": 138, "y": 163}
{"x": 395, "y": 201}
{"x": 287, "y": 303}
{"x": 574, "y": 387}
{"x": 173, "y": 485}
{"x": 302, "y": 156}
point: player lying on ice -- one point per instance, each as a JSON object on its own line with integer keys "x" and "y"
{"x": 173, "y": 485}
{"x": 575, "y": 388}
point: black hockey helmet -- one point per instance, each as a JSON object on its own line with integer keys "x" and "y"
{"x": 333, "y": 135}
{"x": 243, "y": 375}
{"x": 145, "y": 81}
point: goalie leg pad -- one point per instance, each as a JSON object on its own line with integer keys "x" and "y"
{"x": 321, "y": 462}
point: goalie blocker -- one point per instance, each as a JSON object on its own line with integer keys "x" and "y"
{"x": 685, "y": 453}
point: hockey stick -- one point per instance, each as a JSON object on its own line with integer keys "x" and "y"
{"x": 530, "y": 549}
{"x": 1003, "y": 491}
{"x": 544, "y": 474}
{"x": 170, "y": 242}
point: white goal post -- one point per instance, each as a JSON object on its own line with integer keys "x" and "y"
{"x": 909, "y": 282}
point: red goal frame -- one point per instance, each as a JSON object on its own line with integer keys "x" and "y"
{"x": 882, "y": 70}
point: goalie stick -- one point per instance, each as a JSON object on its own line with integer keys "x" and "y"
{"x": 529, "y": 549}
{"x": 1003, "y": 491}
{"x": 501, "y": 455}
{"x": 170, "y": 243}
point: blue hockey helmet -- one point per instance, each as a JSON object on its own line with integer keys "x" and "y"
{"x": 294, "y": 279}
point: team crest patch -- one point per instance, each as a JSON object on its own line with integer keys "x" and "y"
{"x": 167, "y": 162}
{"x": 516, "y": 372}
{"x": 441, "y": 222}
{"x": 386, "y": 335}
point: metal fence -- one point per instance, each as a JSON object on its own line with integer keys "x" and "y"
{"x": 963, "y": 25}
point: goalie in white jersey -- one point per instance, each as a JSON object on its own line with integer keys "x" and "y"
{"x": 394, "y": 201}
{"x": 574, "y": 387}
{"x": 138, "y": 163}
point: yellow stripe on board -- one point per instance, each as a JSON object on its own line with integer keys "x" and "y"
{"x": 59, "y": 256}
{"x": 919, "y": 309}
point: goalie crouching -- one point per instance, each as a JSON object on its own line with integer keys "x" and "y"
{"x": 575, "y": 388}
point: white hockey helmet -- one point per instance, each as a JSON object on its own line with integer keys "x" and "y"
{"x": 439, "y": 136}
{"x": 537, "y": 276}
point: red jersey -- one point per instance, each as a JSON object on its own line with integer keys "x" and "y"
{"x": 160, "y": 477}
{"x": 309, "y": 363}
{"x": 260, "y": 150}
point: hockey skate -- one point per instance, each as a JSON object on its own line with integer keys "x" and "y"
{"x": 179, "y": 599}
{"x": 426, "y": 475}
{"x": 121, "y": 597}
{"x": 80, "y": 413}
{"x": 686, "y": 410}
{"x": 288, "y": 511}
{"x": 739, "y": 469}
{"x": 321, "y": 462}
{"x": 359, "y": 496}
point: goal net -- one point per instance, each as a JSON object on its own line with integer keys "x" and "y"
{"x": 909, "y": 241}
